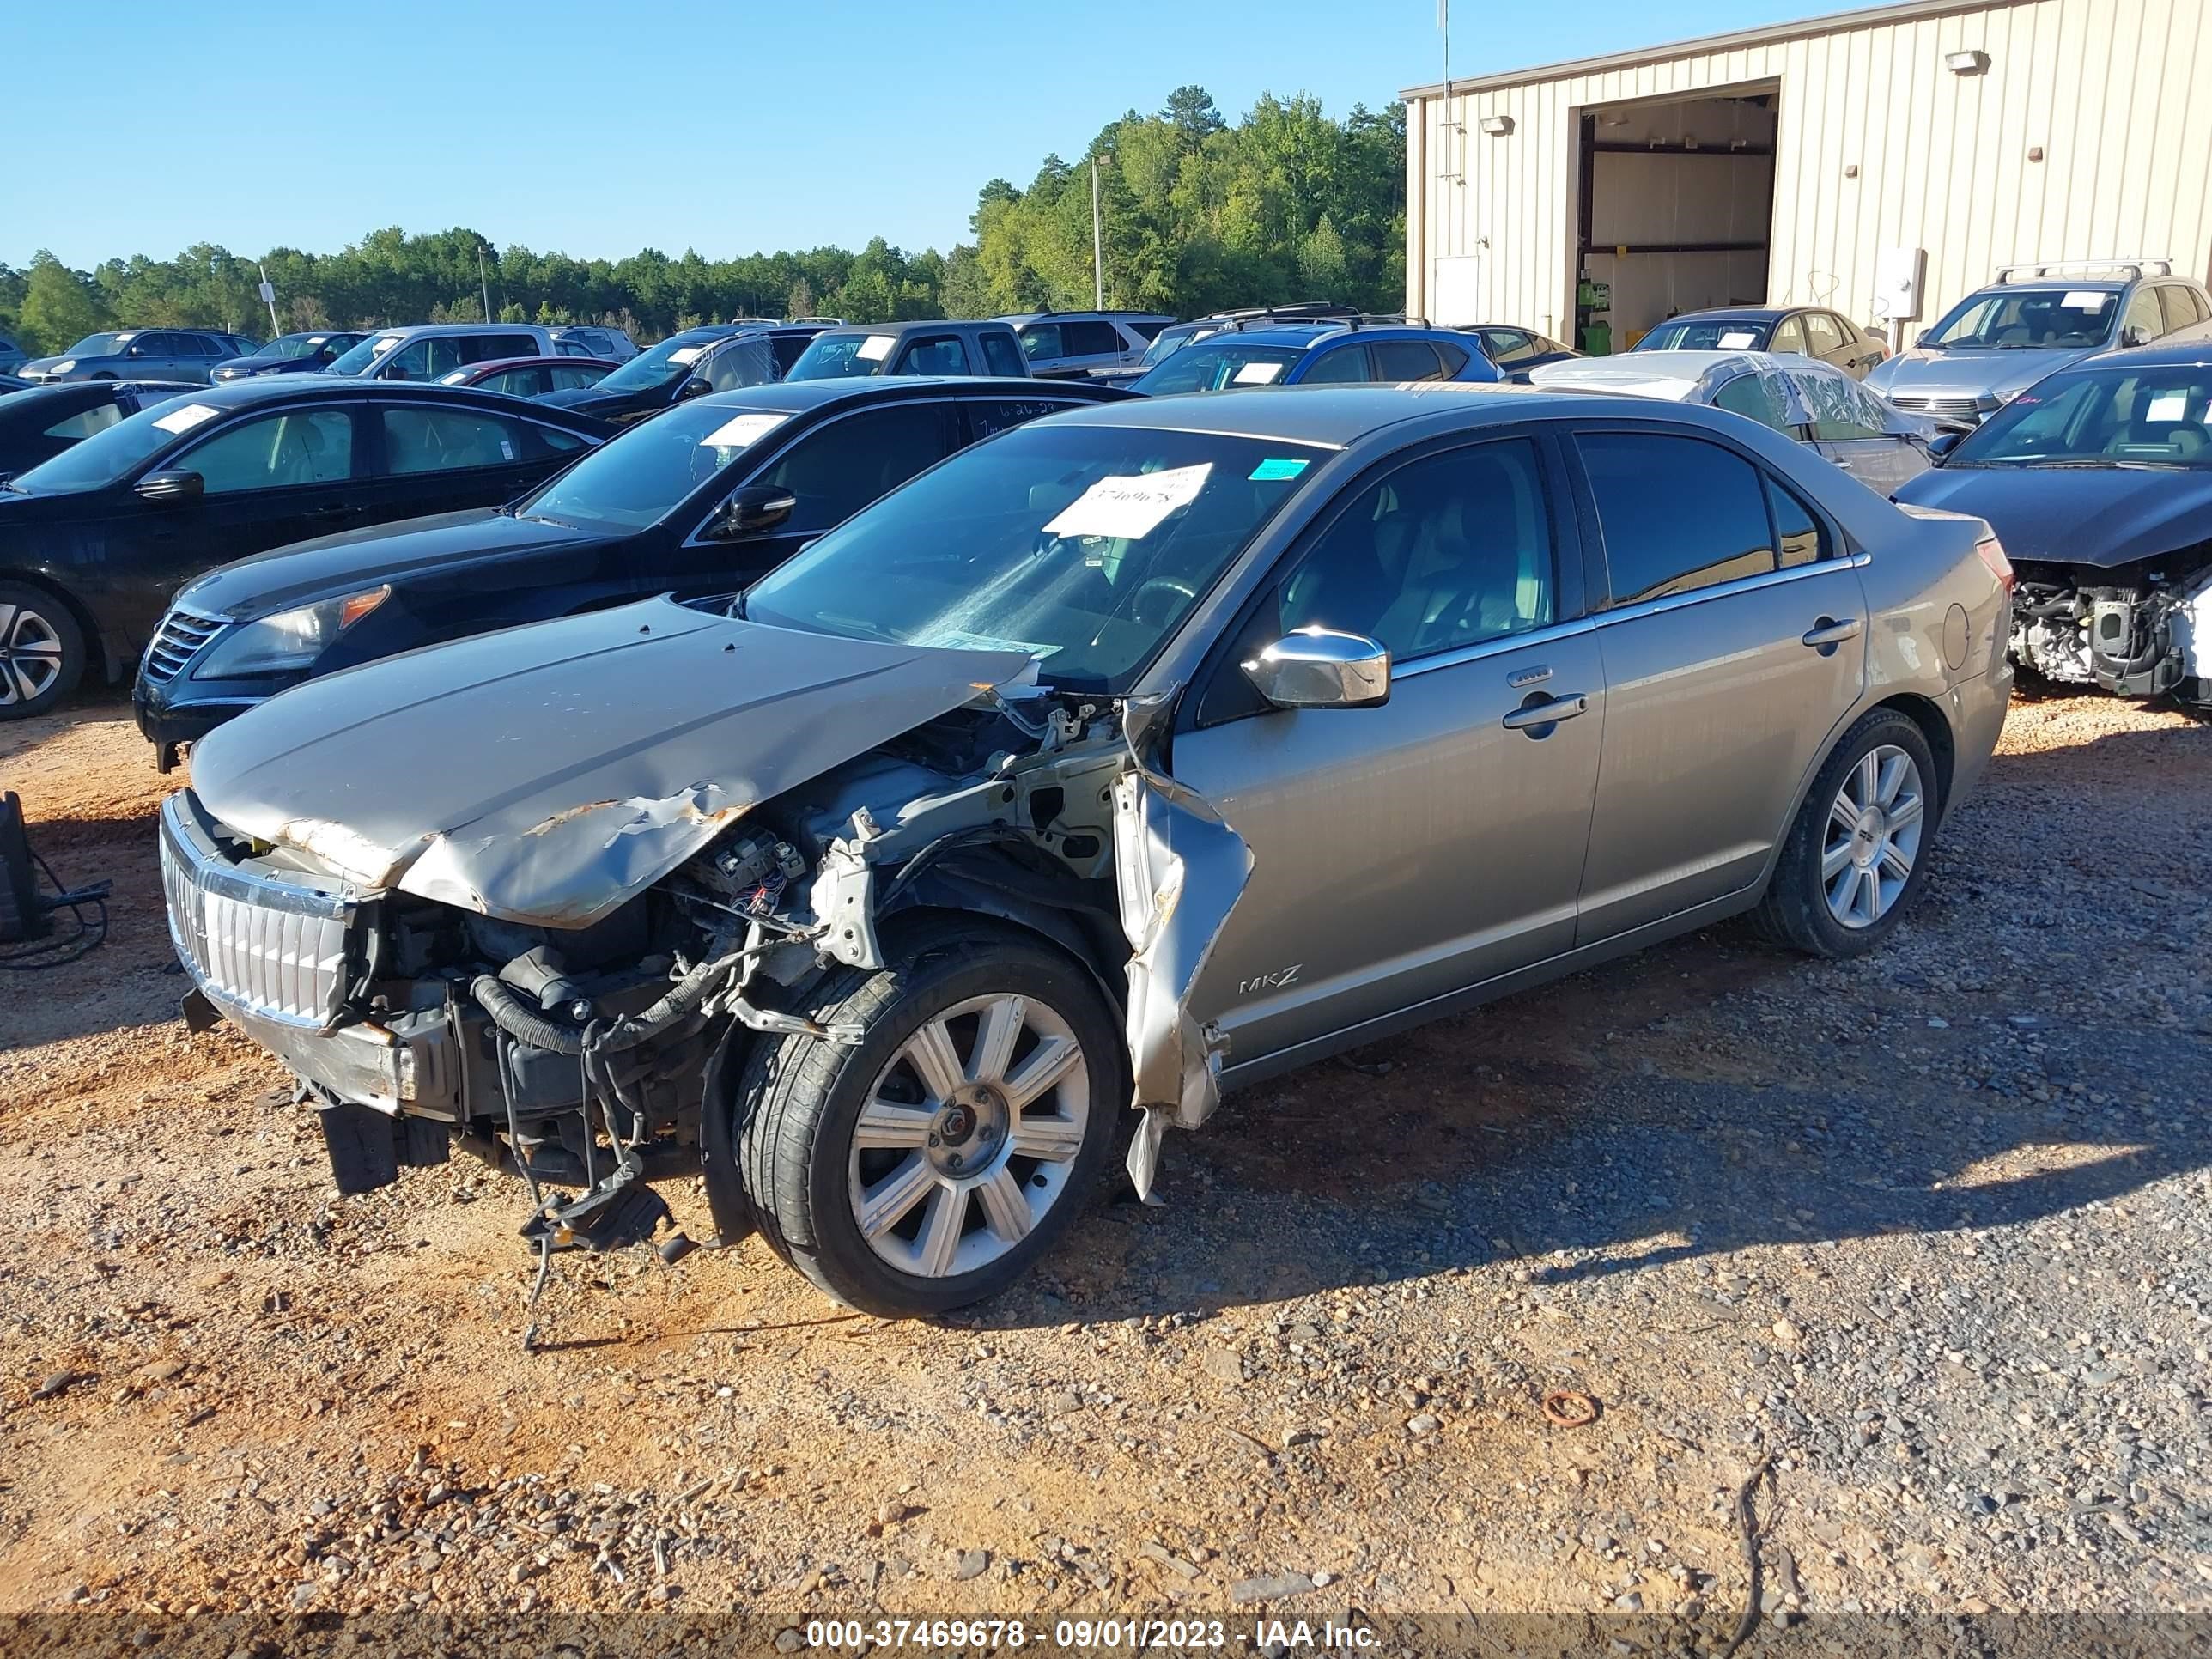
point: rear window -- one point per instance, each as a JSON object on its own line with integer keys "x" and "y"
{"x": 841, "y": 356}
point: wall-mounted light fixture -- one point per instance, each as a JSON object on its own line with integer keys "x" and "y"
{"x": 1976, "y": 62}
{"x": 1497, "y": 125}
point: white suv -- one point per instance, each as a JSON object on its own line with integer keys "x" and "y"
{"x": 1070, "y": 345}
{"x": 430, "y": 351}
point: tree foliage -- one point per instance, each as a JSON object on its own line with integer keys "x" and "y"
{"x": 1197, "y": 215}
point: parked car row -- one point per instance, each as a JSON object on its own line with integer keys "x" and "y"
{"x": 1008, "y": 789}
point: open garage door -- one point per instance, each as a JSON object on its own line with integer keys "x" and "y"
{"x": 1677, "y": 209}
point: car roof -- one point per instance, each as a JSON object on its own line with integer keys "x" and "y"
{"x": 1337, "y": 416}
{"x": 315, "y": 387}
{"x": 2095, "y": 284}
{"x": 1018, "y": 318}
{"x": 804, "y": 396}
{"x": 413, "y": 329}
{"x": 1737, "y": 314}
{"x": 2187, "y": 354}
{"x": 919, "y": 323}
{"x": 540, "y": 359}
{"x": 1674, "y": 375}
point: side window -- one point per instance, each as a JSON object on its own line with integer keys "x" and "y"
{"x": 988, "y": 414}
{"x": 2199, "y": 304}
{"x": 1678, "y": 513}
{"x": 1507, "y": 345}
{"x": 426, "y": 359}
{"x": 299, "y": 447}
{"x": 85, "y": 421}
{"x": 550, "y": 438}
{"x": 1150, "y": 327}
{"x": 787, "y": 347}
{"x": 490, "y": 348}
{"x": 1445, "y": 551}
{"x": 1090, "y": 339}
{"x": 838, "y": 470}
{"x": 447, "y": 440}
{"x": 575, "y": 379}
{"x": 1041, "y": 342}
{"x": 1343, "y": 366}
{"x": 2143, "y": 315}
{"x": 746, "y": 361}
{"x": 515, "y": 382}
{"x": 1755, "y": 395}
{"x": 2179, "y": 312}
{"x": 1789, "y": 335}
{"x": 1803, "y": 541}
{"x": 1820, "y": 329}
{"x": 1406, "y": 360}
{"x": 934, "y": 354}
{"x": 1453, "y": 357}
{"x": 1001, "y": 356}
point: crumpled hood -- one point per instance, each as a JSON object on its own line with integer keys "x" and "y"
{"x": 2101, "y": 516}
{"x": 544, "y": 775}
{"x": 1919, "y": 371}
{"x": 353, "y": 559}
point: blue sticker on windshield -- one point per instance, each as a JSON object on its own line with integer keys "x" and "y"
{"x": 1276, "y": 468}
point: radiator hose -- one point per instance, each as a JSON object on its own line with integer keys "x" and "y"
{"x": 525, "y": 1023}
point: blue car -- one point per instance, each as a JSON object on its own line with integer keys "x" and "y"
{"x": 1333, "y": 351}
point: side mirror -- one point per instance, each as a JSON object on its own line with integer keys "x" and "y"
{"x": 135, "y": 351}
{"x": 1320, "y": 668}
{"x": 2134, "y": 337}
{"x": 167, "y": 487}
{"x": 1944, "y": 443}
{"x": 694, "y": 388}
{"x": 751, "y": 510}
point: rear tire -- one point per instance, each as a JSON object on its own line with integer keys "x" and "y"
{"x": 1857, "y": 855}
{"x": 969, "y": 1164}
{"x": 42, "y": 651}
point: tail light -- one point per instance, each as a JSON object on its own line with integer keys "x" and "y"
{"x": 1993, "y": 554}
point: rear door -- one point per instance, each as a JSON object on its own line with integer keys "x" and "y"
{"x": 1727, "y": 668}
{"x": 445, "y": 457}
{"x": 1404, "y": 851}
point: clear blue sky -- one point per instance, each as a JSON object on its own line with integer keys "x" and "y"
{"x": 598, "y": 129}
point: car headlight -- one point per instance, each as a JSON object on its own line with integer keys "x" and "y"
{"x": 288, "y": 641}
{"x": 62, "y": 366}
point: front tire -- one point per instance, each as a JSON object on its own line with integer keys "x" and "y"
{"x": 42, "y": 651}
{"x": 929, "y": 1166}
{"x": 1857, "y": 855}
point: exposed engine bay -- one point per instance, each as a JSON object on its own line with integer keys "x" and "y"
{"x": 2139, "y": 630}
{"x": 593, "y": 1060}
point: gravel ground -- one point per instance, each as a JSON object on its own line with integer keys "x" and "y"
{"x": 1926, "y": 1234}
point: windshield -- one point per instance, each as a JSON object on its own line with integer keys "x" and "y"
{"x": 2146, "y": 416}
{"x": 2029, "y": 319}
{"x": 659, "y": 366}
{"x": 104, "y": 457}
{"x": 1217, "y": 362}
{"x": 638, "y": 478}
{"x": 1085, "y": 546}
{"x": 1169, "y": 341}
{"x": 839, "y": 356}
{"x": 293, "y": 345}
{"x": 102, "y": 345}
{"x": 357, "y": 361}
{"x": 1707, "y": 334}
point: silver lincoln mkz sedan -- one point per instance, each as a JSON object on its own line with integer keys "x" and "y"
{"x": 1130, "y": 754}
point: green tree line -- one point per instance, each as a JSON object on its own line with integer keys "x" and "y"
{"x": 1199, "y": 214}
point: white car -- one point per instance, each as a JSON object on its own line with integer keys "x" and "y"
{"x": 430, "y": 351}
{"x": 1862, "y": 433}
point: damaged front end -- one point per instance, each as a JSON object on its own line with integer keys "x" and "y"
{"x": 2138, "y": 631}
{"x": 549, "y": 949}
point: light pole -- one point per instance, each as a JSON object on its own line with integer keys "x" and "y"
{"x": 1097, "y": 243}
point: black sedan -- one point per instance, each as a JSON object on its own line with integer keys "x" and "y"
{"x": 1517, "y": 350}
{"x": 713, "y": 357}
{"x": 93, "y": 542}
{"x": 2098, "y": 479}
{"x": 701, "y": 500}
{"x": 289, "y": 354}
{"x": 48, "y": 419}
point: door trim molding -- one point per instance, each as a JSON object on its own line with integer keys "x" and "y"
{"x": 1795, "y": 573}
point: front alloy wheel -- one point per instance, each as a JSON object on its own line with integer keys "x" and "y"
{"x": 927, "y": 1165}
{"x": 41, "y": 652}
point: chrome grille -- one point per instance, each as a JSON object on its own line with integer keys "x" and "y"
{"x": 176, "y": 642}
{"x": 1974, "y": 408}
{"x": 275, "y": 948}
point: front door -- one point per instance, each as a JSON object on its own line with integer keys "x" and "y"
{"x": 1405, "y": 851}
{"x": 1727, "y": 667}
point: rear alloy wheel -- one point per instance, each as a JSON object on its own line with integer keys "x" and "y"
{"x": 1857, "y": 855}
{"x": 926, "y": 1166}
{"x": 42, "y": 651}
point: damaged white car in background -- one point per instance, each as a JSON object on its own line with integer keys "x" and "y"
{"x": 875, "y": 895}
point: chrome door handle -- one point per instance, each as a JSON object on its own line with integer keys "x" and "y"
{"x": 1828, "y": 633}
{"x": 1549, "y": 712}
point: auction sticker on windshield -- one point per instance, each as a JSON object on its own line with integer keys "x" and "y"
{"x": 744, "y": 429}
{"x": 1258, "y": 373}
{"x": 2085, "y": 298}
{"x": 875, "y": 349}
{"x": 685, "y": 354}
{"x": 185, "y": 419}
{"x": 1738, "y": 340}
{"x": 1130, "y": 506}
{"x": 1276, "y": 467}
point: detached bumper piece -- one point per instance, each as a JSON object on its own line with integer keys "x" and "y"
{"x": 367, "y": 1149}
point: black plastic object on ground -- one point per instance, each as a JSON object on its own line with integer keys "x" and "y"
{"x": 25, "y": 916}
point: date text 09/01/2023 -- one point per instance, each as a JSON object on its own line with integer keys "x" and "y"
{"x": 1088, "y": 1635}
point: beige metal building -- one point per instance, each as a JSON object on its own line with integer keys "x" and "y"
{"x": 1807, "y": 162}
